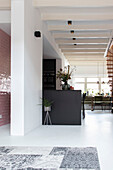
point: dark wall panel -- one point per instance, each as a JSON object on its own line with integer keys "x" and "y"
{"x": 66, "y": 109}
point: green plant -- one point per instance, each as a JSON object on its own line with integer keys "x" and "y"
{"x": 47, "y": 103}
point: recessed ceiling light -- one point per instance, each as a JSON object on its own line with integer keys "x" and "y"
{"x": 72, "y": 31}
{"x": 69, "y": 22}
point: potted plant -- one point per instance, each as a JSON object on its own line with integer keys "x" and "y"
{"x": 47, "y": 108}
{"x": 47, "y": 105}
{"x": 64, "y": 76}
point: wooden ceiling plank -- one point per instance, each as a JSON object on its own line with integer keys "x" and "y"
{"x": 72, "y": 3}
{"x": 82, "y": 46}
{"x": 82, "y": 50}
{"x": 83, "y": 41}
{"x": 75, "y": 17}
{"x": 5, "y": 4}
{"x": 80, "y": 35}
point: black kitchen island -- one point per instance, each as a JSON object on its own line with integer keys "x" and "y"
{"x": 66, "y": 107}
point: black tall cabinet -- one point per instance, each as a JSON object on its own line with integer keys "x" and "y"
{"x": 49, "y": 74}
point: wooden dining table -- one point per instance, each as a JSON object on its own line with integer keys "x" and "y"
{"x": 91, "y": 100}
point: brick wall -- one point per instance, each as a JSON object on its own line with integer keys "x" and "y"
{"x": 5, "y": 61}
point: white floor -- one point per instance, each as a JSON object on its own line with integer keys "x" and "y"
{"x": 96, "y": 130}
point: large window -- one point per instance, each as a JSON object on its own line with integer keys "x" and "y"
{"x": 93, "y": 86}
{"x": 79, "y": 84}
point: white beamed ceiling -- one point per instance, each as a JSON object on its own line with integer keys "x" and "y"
{"x": 92, "y": 23}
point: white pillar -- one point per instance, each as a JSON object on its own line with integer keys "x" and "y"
{"x": 26, "y": 67}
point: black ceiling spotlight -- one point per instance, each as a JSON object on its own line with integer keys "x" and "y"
{"x": 72, "y": 31}
{"x": 74, "y": 38}
{"x": 69, "y": 22}
{"x": 37, "y": 34}
{"x": 75, "y": 44}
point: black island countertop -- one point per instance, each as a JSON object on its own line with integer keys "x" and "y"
{"x": 66, "y": 107}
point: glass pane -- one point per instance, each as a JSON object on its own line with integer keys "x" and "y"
{"x": 79, "y": 87}
{"x": 94, "y": 80}
{"x": 105, "y": 89}
{"x": 105, "y": 80}
{"x": 93, "y": 89}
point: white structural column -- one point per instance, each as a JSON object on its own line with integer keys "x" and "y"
{"x": 26, "y": 68}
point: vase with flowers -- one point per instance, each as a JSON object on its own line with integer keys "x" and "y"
{"x": 64, "y": 76}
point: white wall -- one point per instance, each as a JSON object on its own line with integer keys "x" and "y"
{"x": 48, "y": 49}
{"x": 26, "y": 68}
{"x": 51, "y": 40}
{"x": 50, "y": 52}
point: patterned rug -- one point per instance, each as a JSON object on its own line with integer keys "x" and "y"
{"x": 48, "y": 158}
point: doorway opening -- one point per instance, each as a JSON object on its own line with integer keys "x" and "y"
{"x": 5, "y": 75}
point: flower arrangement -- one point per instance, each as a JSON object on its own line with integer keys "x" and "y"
{"x": 64, "y": 75}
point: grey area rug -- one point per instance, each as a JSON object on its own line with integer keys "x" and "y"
{"x": 48, "y": 158}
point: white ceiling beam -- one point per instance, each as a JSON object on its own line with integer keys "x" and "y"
{"x": 82, "y": 50}
{"x": 75, "y": 17}
{"x": 85, "y": 59}
{"x": 80, "y": 27}
{"x": 81, "y": 55}
{"x": 84, "y": 41}
{"x": 80, "y": 35}
{"x": 95, "y": 46}
{"x": 5, "y": 4}
{"x": 72, "y": 3}
{"x": 87, "y": 63}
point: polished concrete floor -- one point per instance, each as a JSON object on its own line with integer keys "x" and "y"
{"x": 96, "y": 131}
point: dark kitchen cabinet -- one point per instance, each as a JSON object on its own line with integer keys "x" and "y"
{"x": 49, "y": 74}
